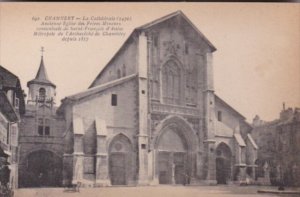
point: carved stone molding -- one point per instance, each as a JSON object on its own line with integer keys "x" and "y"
{"x": 174, "y": 109}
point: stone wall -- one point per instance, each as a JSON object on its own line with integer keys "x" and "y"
{"x": 31, "y": 142}
{"x": 229, "y": 118}
{"x": 278, "y": 143}
{"x": 124, "y": 63}
{"x": 102, "y": 124}
{"x": 175, "y": 40}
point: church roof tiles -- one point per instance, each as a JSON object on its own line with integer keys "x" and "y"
{"x": 98, "y": 88}
{"x": 239, "y": 139}
{"x": 8, "y": 79}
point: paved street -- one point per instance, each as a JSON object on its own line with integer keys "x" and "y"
{"x": 157, "y": 191}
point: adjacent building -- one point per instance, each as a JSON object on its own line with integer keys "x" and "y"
{"x": 152, "y": 117}
{"x": 41, "y": 135}
{"x": 12, "y": 107}
{"x": 279, "y": 148}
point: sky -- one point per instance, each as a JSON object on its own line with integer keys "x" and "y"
{"x": 256, "y": 65}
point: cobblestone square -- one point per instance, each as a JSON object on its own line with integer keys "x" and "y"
{"x": 157, "y": 191}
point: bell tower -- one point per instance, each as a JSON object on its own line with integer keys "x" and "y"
{"x": 41, "y": 89}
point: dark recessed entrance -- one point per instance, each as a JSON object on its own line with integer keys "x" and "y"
{"x": 223, "y": 164}
{"x": 172, "y": 158}
{"x": 44, "y": 169}
{"x": 120, "y": 160}
{"x": 117, "y": 165}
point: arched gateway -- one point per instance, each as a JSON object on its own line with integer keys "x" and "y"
{"x": 175, "y": 150}
{"x": 44, "y": 169}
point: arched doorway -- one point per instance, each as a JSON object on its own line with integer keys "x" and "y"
{"x": 173, "y": 157}
{"x": 259, "y": 172}
{"x": 120, "y": 160}
{"x": 223, "y": 163}
{"x": 44, "y": 169}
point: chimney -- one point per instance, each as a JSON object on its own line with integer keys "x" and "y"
{"x": 256, "y": 121}
{"x": 286, "y": 114}
{"x": 297, "y": 114}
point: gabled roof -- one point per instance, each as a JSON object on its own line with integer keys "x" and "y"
{"x": 149, "y": 25}
{"x": 218, "y": 99}
{"x": 8, "y": 79}
{"x": 41, "y": 76}
{"x": 175, "y": 14}
{"x": 99, "y": 88}
{"x": 239, "y": 139}
{"x": 252, "y": 141}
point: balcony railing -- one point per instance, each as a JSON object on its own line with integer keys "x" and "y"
{"x": 174, "y": 109}
{"x": 44, "y": 100}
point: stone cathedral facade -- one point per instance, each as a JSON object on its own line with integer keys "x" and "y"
{"x": 151, "y": 116}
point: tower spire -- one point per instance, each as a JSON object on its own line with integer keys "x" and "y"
{"x": 42, "y": 51}
{"x": 41, "y": 89}
{"x": 41, "y": 76}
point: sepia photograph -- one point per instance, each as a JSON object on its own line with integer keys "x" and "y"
{"x": 149, "y": 99}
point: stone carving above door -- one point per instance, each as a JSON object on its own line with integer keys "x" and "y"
{"x": 171, "y": 48}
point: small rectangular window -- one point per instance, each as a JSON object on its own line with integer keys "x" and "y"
{"x": 220, "y": 116}
{"x": 47, "y": 121}
{"x": 47, "y": 130}
{"x": 186, "y": 48}
{"x": 143, "y": 146}
{"x": 17, "y": 102}
{"x": 40, "y": 129}
{"x": 41, "y": 126}
{"x": 40, "y": 121}
{"x": 155, "y": 40}
{"x": 114, "y": 100}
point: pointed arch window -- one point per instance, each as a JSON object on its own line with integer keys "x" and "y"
{"x": 124, "y": 70}
{"x": 118, "y": 73}
{"x": 171, "y": 83}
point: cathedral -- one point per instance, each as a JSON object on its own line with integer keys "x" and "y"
{"x": 151, "y": 116}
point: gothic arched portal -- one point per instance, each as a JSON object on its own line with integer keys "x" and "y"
{"x": 175, "y": 144}
{"x": 223, "y": 163}
{"x": 120, "y": 160}
{"x": 172, "y": 158}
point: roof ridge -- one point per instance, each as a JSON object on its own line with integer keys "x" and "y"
{"x": 176, "y": 13}
{"x": 100, "y": 87}
{"x": 9, "y": 71}
{"x": 155, "y": 21}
